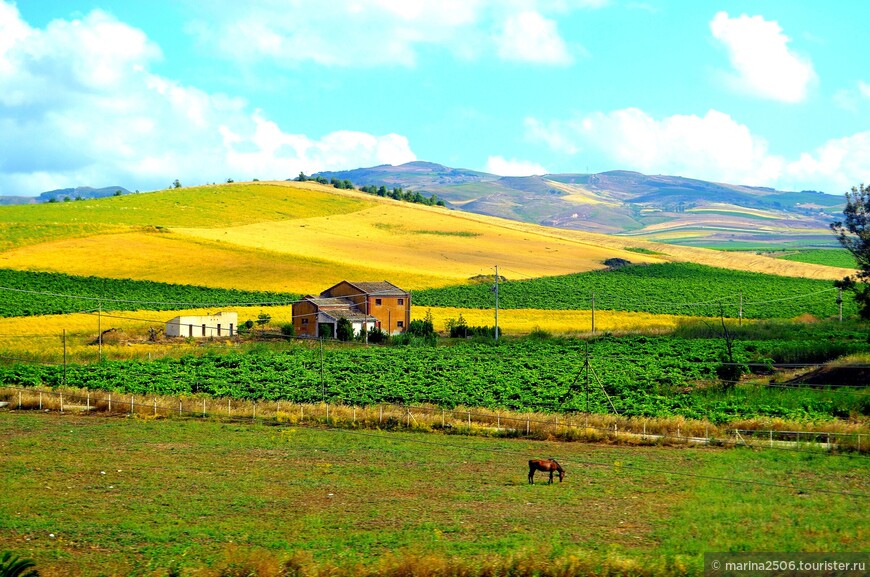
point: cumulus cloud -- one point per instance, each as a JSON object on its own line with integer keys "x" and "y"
{"x": 385, "y": 32}
{"x": 713, "y": 146}
{"x": 710, "y": 147}
{"x": 79, "y": 106}
{"x": 836, "y": 166}
{"x": 763, "y": 64}
{"x": 502, "y": 167}
{"x": 529, "y": 37}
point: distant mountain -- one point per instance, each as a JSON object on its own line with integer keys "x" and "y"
{"x": 81, "y": 192}
{"x": 62, "y": 194}
{"x": 672, "y": 209}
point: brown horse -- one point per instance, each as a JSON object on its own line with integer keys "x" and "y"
{"x": 546, "y": 465}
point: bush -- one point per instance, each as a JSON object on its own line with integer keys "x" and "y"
{"x": 344, "y": 330}
{"x": 288, "y": 330}
{"x": 376, "y": 336}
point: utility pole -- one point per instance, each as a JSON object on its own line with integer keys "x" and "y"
{"x": 100, "y": 331}
{"x": 840, "y": 303}
{"x": 740, "y": 314}
{"x": 593, "y": 313}
{"x": 64, "y": 357}
{"x": 322, "y": 384}
{"x": 496, "y": 302}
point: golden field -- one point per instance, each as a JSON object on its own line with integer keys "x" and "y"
{"x": 42, "y": 339}
{"x": 302, "y": 237}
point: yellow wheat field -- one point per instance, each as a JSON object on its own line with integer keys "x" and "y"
{"x": 304, "y": 237}
{"x": 42, "y": 339}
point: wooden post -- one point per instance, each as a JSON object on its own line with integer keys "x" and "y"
{"x": 380, "y": 413}
{"x": 528, "y": 424}
{"x": 771, "y": 438}
{"x": 469, "y": 419}
{"x": 110, "y": 403}
{"x": 179, "y": 407}
{"x": 61, "y": 402}
{"x": 442, "y": 419}
{"x": 254, "y": 418}
{"x": 19, "y": 400}
{"x": 40, "y": 400}
{"x": 228, "y": 408}
{"x": 131, "y": 405}
{"x": 301, "y": 413}
{"x": 203, "y": 407}
{"x": 327, "y": 413}
{"x": 354, "y": 413}
{"x": 89, "y": 401}
{"x": 155, "y": 406}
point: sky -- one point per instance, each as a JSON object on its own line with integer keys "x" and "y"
{"x": 138, "y": 94}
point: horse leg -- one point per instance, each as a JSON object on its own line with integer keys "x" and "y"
{"x": 531, "y": 476}
{"x": 551, "y": 478}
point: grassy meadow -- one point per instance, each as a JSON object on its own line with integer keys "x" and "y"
{"x": 87, "y": 496}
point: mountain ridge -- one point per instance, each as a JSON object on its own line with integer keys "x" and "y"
{"x": 658, "y": 207}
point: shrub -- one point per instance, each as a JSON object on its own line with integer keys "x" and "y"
{"x": 288, "y": 330}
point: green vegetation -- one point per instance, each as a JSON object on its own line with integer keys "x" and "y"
{"x": 97, "y": 496}
{"x": 853, "y": 234}
{"x": 646, "y": 376}
{"x": 24, "y": 293}
{"x": 670, "y": 288}
{"x": 836, "y": 257}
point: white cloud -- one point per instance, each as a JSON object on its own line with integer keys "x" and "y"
{"x": 836, "y": 166}
{"x": 529, "y": 37}
{"x": 713, "y": 146}
{"x": 502, "y": 167}
{"x": 384, "y": 32}
{"x": 763, "y": 64}
{"x": 78, "y": 106}
{"x": 864, "y": 89}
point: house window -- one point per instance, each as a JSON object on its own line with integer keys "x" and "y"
{"x": 304, "y": 321}
{"x": 203, "y": 330}
{"x": 219, "y": 329}
{"x": 378, "y": 302}
{"x": 231, "y": 329}
{"x": 401, "y": 301}
{"x": 400, "y": 324}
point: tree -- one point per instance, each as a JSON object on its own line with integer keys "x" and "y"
{"x": 301, "y": 177}
{"x": 853, "y": 233}
{"x": 176, "y": 183}
{"x": 344, "y": 330}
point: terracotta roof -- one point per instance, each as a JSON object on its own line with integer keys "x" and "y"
{"x": 350, "y": 315}
{"x": 379, "y": 288}
{"x": 331, "y": 301}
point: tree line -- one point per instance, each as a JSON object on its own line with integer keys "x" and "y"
{"x": 396, "y": 193}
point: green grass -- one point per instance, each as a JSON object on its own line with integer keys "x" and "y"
{"x": 132, "y": 496}
{"x": 205, "y": 206}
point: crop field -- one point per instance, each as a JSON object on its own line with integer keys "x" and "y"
{"x": 301, "y": 237}
{"x": 645, "y": 376}
{"x": 32, "y": 293}
{"x": 837, "y": 257}
{"x": 678, "y": 288}
{"x": 88, "y": 496}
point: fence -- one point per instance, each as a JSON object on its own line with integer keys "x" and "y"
{"x": 534, "y": 425}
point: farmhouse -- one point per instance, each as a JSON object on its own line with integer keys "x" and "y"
{"x": 365, "y": 304}
{"x": 214, "y": 325}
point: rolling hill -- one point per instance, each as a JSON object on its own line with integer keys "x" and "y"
{"x": 301, "y": 237}
{"x": 670, "y": 209}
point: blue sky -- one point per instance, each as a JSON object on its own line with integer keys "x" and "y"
{"x": 111, "y": 92}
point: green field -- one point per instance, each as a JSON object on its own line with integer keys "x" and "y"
{"x": 24, "y": 293}
{"x": 837, "y": 257}
{"x": 671, "y": 288}
{"x": 90, "y": 496}
{"x": 646, "y": 376}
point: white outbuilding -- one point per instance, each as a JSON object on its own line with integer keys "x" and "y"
{"x": 213, "y": 325}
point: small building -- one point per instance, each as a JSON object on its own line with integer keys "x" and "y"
{"x": 214, "y": 325}
{"x": 365, "y": 304}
